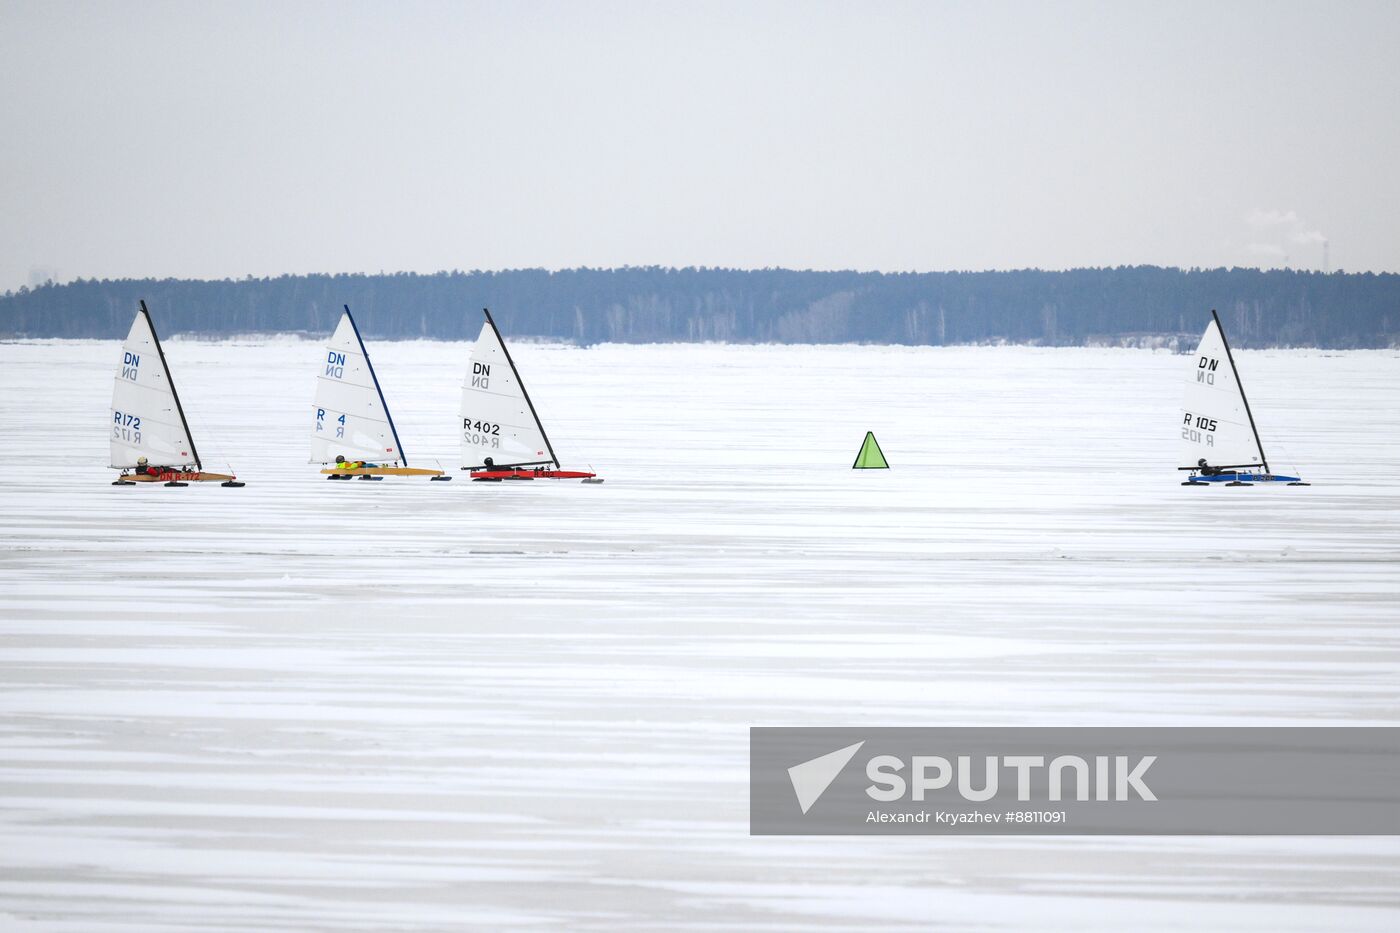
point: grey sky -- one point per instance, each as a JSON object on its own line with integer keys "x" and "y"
{"x": 214, "y": 140}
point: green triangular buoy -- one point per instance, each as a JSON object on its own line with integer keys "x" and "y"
{"x": 870, "y": 456}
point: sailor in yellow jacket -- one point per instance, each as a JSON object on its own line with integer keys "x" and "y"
{"x": 342, "y": 464}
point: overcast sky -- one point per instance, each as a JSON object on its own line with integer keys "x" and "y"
{"x": 222, "y": 140}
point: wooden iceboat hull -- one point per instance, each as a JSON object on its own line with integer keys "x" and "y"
{"x": 383, "y": 471}
{"x": 178, "y": 476}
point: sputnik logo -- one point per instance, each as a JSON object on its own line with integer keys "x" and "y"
{"x": 811, "y": 778}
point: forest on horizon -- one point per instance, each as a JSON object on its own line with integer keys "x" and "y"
{"x": 1129, "y": 305}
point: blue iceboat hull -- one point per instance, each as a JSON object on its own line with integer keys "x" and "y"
{"x": 1247, "y": 478}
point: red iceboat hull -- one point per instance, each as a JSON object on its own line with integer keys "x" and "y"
{"x": 496, "y": 475}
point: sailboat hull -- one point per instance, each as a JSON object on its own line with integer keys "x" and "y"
{"x": 183, "y": 477}
{"x": 496, "y": 475}
{"x": 384, "y": 471}
{"x": 1246, "y": 478}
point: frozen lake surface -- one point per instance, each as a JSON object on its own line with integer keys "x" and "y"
{"x": 410, "y": 705}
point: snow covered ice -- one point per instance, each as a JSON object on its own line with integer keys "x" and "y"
{"x": 414, "y": 705}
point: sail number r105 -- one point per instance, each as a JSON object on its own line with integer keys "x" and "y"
{"x": 1192, "y": 427}
{"x": 1201, "y": 421}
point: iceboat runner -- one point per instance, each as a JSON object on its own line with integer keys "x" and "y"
{"x": 502, "y": 437}
{"x": 352, "y": 432}
{"x": 150, "y": 438}
{"x": 1219, "y": 440}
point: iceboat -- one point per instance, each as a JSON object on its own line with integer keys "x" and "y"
{"x": 502, "y": 436}
{"x": 1219, "y": 439}
{"x": 150, "y": 438}
{"x": 352, "y": 432}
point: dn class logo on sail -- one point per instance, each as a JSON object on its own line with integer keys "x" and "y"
{"x": 335, "y": 364}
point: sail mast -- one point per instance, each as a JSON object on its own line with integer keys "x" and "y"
{"x": 1259, "y": 445}
{"x": 520, "y": 382}
{"x": 398, "y": 444}
{"x": 170, "y": 377}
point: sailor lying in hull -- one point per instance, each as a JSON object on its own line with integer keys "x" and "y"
{"x": 1208, "y": 470}
{"x": 144, "y": 468}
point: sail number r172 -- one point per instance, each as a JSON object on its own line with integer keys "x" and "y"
{"x": 126, "y": 427}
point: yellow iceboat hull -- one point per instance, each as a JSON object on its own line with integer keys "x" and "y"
{"x": 383, "y": 471}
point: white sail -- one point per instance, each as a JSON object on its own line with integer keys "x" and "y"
{"x": 349, "y": 418}
{"x": 496, "y": 418}
{"x": 146, "y": 420}
{"x": 1215, "y": 425}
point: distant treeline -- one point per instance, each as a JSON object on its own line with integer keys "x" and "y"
{"x": 1125, "y": 305}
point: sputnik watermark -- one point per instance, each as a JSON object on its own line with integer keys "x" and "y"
{"x": 932, "y": 773}
{"x": 1178, "y": 781}
{"x": 1116, "y": 778}
{"x": 811, "y": 778}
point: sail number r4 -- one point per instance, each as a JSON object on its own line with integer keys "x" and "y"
{"x": 321, "y": 423}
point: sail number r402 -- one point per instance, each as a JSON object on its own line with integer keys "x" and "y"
{"x": 481, "y": 433}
